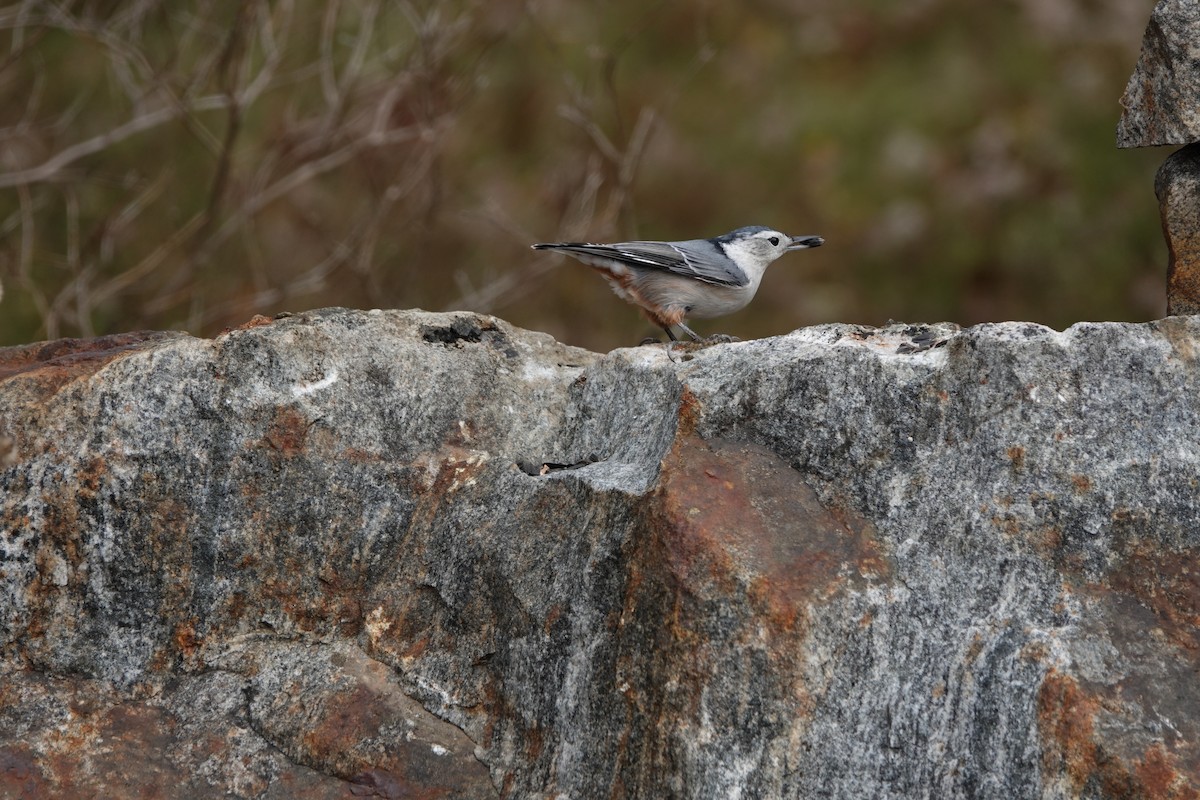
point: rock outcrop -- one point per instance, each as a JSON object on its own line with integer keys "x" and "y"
{"x": 400, "y": 554}
{"x": 1162, "y": 107}
{"x": 1160, "y": 101}
{"x": 1177, "y": 187}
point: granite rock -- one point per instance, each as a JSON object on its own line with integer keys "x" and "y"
{"x": 1177, "y": 186}
{"x": 401, "y": 554}
{"x": 1160, "y": 102}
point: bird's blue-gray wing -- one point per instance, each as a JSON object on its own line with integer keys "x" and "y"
{"x": 698, "y": 258}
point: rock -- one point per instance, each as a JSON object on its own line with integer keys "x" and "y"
{"x": 1160, "y": 99}
{"x": 1177, "y": 186}
{"x": 307, "y": 558}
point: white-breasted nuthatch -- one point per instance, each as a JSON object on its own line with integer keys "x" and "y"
{"x": 671, "y": 281}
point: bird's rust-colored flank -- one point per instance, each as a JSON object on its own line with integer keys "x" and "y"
{"x": 626, "y": 288}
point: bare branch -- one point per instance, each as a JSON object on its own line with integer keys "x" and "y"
{"x": 25, "y": 264}
{"x": 303, "y": 174}
{"x": 78, "y": 288}
{"x": 329, "y": 81}
{"x": 83, "y": 315}
{"x": 366, "y": 29}
{"x": 581, "y": 214}
{"x": 131, "y": 211}
{"x": 73, "y": 229}
{"x": 273, "y": 43}
{"x": 603, "y": 143}
{"x": 505, "y": 288}
{"x": 63, "y": 159}
{"x": 637, "y": 146}
{"x": 218, "y": 80}
{"x": 147, "y": 265}
{"x": 509, "y": 285}
{"x": 19, "y": 43}
{"x": 383, "y": 111}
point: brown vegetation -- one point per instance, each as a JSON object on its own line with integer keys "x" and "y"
{"x": 190, "y": 164}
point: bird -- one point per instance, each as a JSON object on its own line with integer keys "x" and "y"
{"x": 702, "y": 278}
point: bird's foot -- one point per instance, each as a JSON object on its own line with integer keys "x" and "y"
{"x": 680, "y": 351}
{"x": 719, "y": 338}
{"x": 649, "y": 340}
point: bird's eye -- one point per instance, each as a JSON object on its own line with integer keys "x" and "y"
{"x": 774, "y": 240}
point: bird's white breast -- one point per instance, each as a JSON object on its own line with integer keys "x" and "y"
{"x": 696, "y": 298}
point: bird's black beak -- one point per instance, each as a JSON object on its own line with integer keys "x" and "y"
{"x": 805, "y": 242}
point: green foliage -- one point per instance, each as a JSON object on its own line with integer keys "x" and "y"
{"x": 189, "y": 164}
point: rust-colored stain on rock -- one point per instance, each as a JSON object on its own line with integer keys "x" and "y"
{"x": 1067, "y": 719}
{"x": 187, "y": 640}
{"x": 124, "y": 745}
{"x": 739, "y": 515}
{"x": 1183, "y": 270}
{"x": 257, "y": 321}
{"x": 98, "y": 744}
{"x": 287, "y": 432}
{"x": 324, "y": 603}
{"x": 1016, "y": 454}
{"x": 1169, "y": 585}
{"x": 689, "y": 413}
{"x": 1158, "y": 778}
{"x": 364, "y": 729}
{"x": 53, "y": 364}
{"x": 1176, "y": 332}
{"x": 20, "y": 774}
{"x": 1175, "y": 185}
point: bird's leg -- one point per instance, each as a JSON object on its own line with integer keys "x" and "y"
{"x": 716, "y": 338}
{"x": 672, "y": 340}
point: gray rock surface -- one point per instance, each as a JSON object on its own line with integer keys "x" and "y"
{"x": 1177, "y": 186}
{"x": 432, "y": 555}
{"x": 1161, "y": 103}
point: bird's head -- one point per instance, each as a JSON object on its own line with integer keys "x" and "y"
{"x": 754, "y": 247}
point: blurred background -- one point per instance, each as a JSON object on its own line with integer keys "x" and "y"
{"x": 190, "y": 163}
